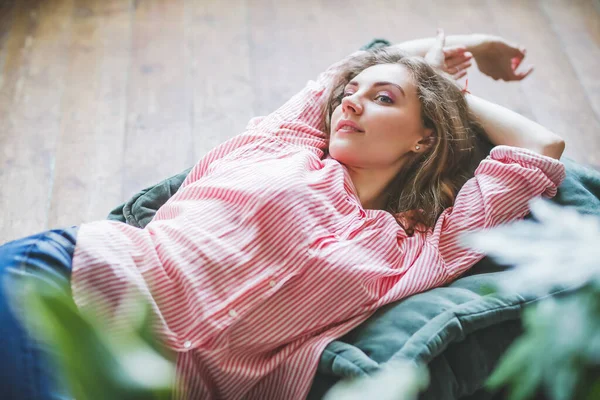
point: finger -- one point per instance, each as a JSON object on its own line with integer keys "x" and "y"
{"x": 435, "y": 55}
{"x": 454, "y": 50}
{"x": 517, "y": 75}
{"x": 524, "y": 74}
{"x": 460, "y": 67}
{"x": 460, "y": 74}
{"x": 440, "y": 39}
{"x": 457, "y": 60}
{"x": 518, "y": 51}
{"x": 515, "y": 62}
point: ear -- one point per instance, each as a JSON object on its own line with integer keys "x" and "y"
{"x": 427, "y": 140}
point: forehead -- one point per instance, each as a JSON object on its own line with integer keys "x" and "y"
{"x": 394, "y": 73}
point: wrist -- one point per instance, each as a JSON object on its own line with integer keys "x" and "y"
{"x": 478, "y": 43}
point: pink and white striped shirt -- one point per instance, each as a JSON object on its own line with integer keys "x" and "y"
{"x": 265, "y": 254}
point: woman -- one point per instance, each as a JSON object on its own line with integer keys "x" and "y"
{"x": 350, "y": 196}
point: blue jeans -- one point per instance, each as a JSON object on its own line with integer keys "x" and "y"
{"x": 26, "y": 371}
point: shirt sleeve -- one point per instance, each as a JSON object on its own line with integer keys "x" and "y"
{"x": 499, "y": 192}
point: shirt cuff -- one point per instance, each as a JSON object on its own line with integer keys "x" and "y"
{"x": 554, "y": 169}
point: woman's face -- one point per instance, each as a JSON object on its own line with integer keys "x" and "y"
{"x": 378, "y": 121}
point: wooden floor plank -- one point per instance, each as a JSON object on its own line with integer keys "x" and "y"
{"x": 338, "y": 29}
{"x": 15, "y": 61}
{"x": 556, "y": 96}
{"x": 7, "y": 13}
{"x": 89, "y": 159}
{"x": 577, "y": 25}
{"x": 288, "y": 49}
{"x": 411, "y": 19}
{"x": 273, "y": 56}
{"x": 293, "y": 42}
{"x": 223, "y": 100}
{"x": 34, "y": 119}
{"x": 158, "y": 139}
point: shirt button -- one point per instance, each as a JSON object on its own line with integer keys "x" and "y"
{"x": 272, "y": 283}
{"x": 187, "y": 344}
{"x": 233, "y": 313}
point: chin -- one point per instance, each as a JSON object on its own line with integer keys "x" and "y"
{"x": 343, "y": 154}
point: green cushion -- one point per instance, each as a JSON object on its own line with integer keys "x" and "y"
{"x": 140, "y": 209}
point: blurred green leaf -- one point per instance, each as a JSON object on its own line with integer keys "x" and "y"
{"x": 488, "y": 289}
{"x": 563, "y": 387}
{"x": 558, "y": 256}
{"x": 526, "y": 383}
{"x": 511, "y": 367}
{"x": 97, "y": 365}
{"x": 556, "y": 351}
{"x": 593, "y": 392}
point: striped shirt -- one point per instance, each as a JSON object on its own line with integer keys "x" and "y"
{"x": 265, "y": 254}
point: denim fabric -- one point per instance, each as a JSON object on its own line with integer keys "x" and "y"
{"x": 25, "y": 368}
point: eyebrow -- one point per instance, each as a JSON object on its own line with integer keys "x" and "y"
{"x": 354, "y": 83}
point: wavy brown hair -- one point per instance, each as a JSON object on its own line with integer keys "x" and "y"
{"x": 428, "y": 182}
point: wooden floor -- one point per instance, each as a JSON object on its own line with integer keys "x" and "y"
{"x": 99, "y": 99}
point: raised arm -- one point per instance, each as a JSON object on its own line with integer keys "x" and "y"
{"x": 506, "y": 127}
{"x": 523, "y": 165}
{"x": 502, "y": 126}
{"x": 495, "y": 56}
{"x": 419, "y": 47}
{"x": 499, "y": 193}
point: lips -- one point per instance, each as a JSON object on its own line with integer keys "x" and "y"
{"x": 349, "y": 126}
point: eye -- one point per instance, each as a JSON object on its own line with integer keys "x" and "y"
{"x": 346, "y": 94}
{"x": 385, "y": 99}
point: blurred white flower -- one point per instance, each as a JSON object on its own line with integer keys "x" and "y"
{"x": 562, "y": 249}
{"x": 395, "y": 381}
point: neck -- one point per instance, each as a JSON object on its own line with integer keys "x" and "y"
{"x": 370, "y": 185}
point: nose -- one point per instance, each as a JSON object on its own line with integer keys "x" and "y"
{"x": 350, "y": 105}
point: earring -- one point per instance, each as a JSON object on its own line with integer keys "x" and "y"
{"x": 418, "y": 147}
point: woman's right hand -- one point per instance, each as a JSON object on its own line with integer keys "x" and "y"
{"x": 454, "y": 60}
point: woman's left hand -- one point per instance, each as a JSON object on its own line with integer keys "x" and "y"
{"x": 500, "y": 59}
{"x": 454, "y": 60}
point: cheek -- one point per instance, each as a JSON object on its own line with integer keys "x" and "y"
{"x": 393, "y": 118}
{"x": 392, "y": 134}
{"x": 335, "y": 116}
{"x": 388, "y": 126}
{"x": 398, "y": 126}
